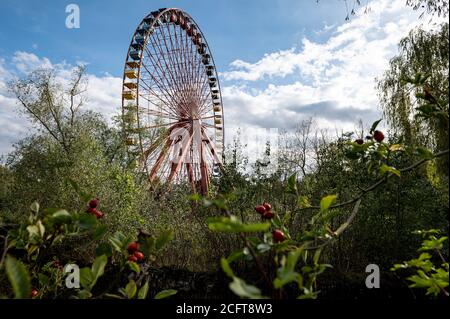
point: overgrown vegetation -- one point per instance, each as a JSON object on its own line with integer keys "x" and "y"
{"x": 334, "y": 205}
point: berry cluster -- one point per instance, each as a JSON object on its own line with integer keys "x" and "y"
{"x": 377, "y": 136}
{"x": 135, "y": 254}
{"x": 92, "y": 208}
{"x": 265, "y": 210}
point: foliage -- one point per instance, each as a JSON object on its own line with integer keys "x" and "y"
{"x": 428, "y": 275}
{"x": 46, "y": 229}
{"x": 414, "y": 90}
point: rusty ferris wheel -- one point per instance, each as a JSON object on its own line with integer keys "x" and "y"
{"x": 171, "y": 102}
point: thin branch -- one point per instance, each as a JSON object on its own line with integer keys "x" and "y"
{"x": 380, "y": 181}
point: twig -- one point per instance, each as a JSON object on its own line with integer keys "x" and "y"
{"x": 379, "y": 182}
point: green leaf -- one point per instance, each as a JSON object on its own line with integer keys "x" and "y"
{"x": 99, "y": 232}
{"x": 244, "y": 290}
{"x": 262, "y": 248}
{"x": 87, "y": 222}
{"x": 130, "y": 289}
{"x": 165, "y": 294}
{"x": 163, "y": 239}
{"x": 326, "y": 202}
{"x": 433, "y": 243}
{"x": 286, "y": 273}
{"x": 118, "y": 241}
{"x": 291, "y": 187}
{"x": 195, "y": 197}
{"x": 396, "y": 147}
{"x": 374, "y": 126}
{"x": 98, "y": 267}
{"x": 134, "y": 266}
{"x": 86, "y": 278}
{"x": 303, "y": 202}
{"x": 18, "y": 277}
{"x": 424, "y": 153}
{"x": 89, "y": 276}
{"x": 35, "y": 207}
{"x": 142, "y": 294}
{"x": 389, "y": 169}
{"x": 84, "y": 294}
{"x": 235, "y": 256}
{"x": 104, "y": 249}
{"x": 233, "y": 225}
{"x": 226, "y": 267}
{"x": 33, "y": 231}
{"x": 62, "y": 217}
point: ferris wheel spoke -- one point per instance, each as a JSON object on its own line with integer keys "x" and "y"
{"x": 176, "y": 167}
{"x": 191, "y": 177}
{"x": 174, "y": 81}
{"x": 163, "y": 88}
{"x": 163, "y": 100}
{"x": 211, "y": 147}
{"x": 159, "y": 161}
{"x": 152, "y": 148}
{"x": 180, "y": 57}
{"x": 206, "y": 104}
{"x": 165, "y": 103}
{"x": 160, "y": 83}
{"x": 157, "y": 113}
{"x": 163, "y": 125}
{"x": 170, "y": 79}
{"x": 178, "y": 79}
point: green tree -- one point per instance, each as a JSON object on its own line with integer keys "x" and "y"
{"x": 423, "y": 54}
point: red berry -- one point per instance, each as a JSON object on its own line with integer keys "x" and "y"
{"x": 278, "y": 236}
{"x": 99, "y": 214}
{"x": 139, "y": 256}
{"x": 91, "y": 210}
{"x": 133, "y": 247}
{"x": 93, "y": 203}
{"x": 132, "y": 258}
{"x": 359, "y": 141}
{"x": 260, "y": 209}
{"x": 267, "y": 206}
{"x": 268, "y": 215}
{"x": 378, "y": 136}
{"x": 34, "y": 293}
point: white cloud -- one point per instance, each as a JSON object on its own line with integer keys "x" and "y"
{"x": 26, "y": 62}
{"x": 333, "y": 80}
{"x": 103, "y": 95}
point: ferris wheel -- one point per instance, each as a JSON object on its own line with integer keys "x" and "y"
{"x": 171, "y": 102}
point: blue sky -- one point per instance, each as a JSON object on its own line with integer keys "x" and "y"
{"x": 106, "y": 27}
{"x": 280, "y": 61}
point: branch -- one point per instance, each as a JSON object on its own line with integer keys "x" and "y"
{"x": 380, "y": 181}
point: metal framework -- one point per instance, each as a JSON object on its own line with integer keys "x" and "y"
{"x": 171, "y": 102}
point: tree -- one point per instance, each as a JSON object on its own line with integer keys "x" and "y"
{"x": 71, "y": 146}
{"x": 423, "y": 58}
